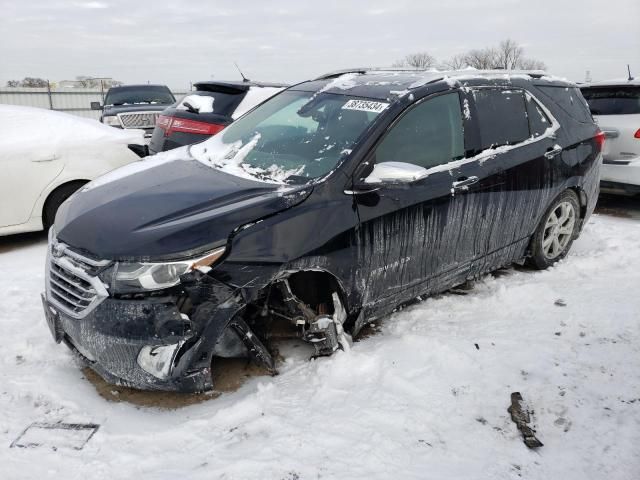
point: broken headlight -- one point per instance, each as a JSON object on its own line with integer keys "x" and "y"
{"x": 143, "y": 276}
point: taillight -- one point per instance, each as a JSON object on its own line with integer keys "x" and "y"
{"x": 164, "y": 122}
{"x": 599, "y": 138}
{"x": 637, "y": 134}
{"x": 172, "y": 124}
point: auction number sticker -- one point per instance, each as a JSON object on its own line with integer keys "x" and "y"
{"x": 365, "y": 106}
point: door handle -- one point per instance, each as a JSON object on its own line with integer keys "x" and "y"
{"x": 360, "y": 192}
{"x": 552, "y": 152}
{"x": 463, "y": 183}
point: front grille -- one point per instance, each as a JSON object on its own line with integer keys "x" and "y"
{"x": 71, "y": 285}
{"x": 139, "y": 119}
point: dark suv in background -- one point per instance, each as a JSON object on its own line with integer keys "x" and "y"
{"x": 324, "y": 208}
{"x": 206, "y": 111}
{"x": 134, "y": 106}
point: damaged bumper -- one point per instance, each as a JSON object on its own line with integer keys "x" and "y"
{"x": 131, "y": 343}
{"x": 143, "y": 341}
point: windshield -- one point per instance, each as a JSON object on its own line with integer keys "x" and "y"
{"x": 292, "y": 138}
{"x": 140, "y": 95}
{"x": 622, "y": 100}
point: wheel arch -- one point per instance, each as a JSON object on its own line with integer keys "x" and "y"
{"x": 46, "y": 199}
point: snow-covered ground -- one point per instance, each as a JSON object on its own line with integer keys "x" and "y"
{"x": 416, "y": 400}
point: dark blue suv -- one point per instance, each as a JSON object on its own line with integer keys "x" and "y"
{"x": 324, "y": 208}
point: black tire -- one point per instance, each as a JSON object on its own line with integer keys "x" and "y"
{"x": 552, "y": 239}
{"x": 55, "y": 199}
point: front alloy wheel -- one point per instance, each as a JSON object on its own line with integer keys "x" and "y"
{"x": 556, "y": 232}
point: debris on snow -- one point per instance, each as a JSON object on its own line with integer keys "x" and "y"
{"x": 56, "y": 435}
{"x": 522, "y": 417}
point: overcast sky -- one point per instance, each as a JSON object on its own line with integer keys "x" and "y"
{"x": 179, "y": 41}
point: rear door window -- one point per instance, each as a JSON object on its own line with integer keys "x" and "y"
{"x": 622, "y": 100}
{"x": 429, "y": 134}
{"x": 502, "y": 117}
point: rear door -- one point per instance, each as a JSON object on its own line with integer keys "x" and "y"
{"x": 517, "y": 166}
{"x": 25, "y": 174}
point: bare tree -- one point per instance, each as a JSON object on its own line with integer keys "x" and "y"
{"x": 416, "y": 60}
{"x": 531, "y": 64}
{"x": 457, "y": 62}
{"x": 33, "y": 82}
{"x": 483, "y": 59}
{"x": 508, "y": 55}
{"x": 90, "y": 82}
{"x": 13, "y": 83}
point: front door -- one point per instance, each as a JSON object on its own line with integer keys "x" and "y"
{"x": 417, "y": 237}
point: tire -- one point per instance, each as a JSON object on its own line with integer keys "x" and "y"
{"x": 556, "y": 232}
{"x": 55, "y": 199}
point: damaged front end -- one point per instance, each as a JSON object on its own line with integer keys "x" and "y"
{"x": 160, "y": 326}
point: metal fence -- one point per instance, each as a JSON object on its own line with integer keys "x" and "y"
{"x": 76, "y": 101}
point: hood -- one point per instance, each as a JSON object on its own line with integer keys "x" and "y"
{"x": 159, "y": 209}
{"x": 142, "y": 107}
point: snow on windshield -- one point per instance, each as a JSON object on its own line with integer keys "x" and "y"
{"x": 293, "y": 138}
{"x": 230, "y": 159}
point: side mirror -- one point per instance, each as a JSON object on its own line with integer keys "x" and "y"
{"x": 96, "y": 106}
{"x": 395, "y": 173}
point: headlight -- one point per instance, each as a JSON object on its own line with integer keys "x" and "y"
{"x": 128, "y": 277}
{"x": 112, "y": 120}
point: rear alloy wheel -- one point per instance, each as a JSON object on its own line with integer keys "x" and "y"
{"x": 556, "y": 232}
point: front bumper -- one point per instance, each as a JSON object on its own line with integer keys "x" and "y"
{"x": 109, "y": 339}
{"x": 145, "y": 341}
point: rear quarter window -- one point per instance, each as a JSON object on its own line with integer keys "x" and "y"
{"x": 614, "y": 100}
{"x": 502, "y": 116}
{"x": 570, "y": 100}
{"x": 538, "y": 120}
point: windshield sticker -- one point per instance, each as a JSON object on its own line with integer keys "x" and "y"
{"x": 365, "y": 106}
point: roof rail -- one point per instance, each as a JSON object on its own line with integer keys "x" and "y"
{"x": 337, "y": 73}
{"x": 470, "y": 71}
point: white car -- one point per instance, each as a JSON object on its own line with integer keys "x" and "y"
{"x": 615, "y": 106}
{"x": 45, "y": 156}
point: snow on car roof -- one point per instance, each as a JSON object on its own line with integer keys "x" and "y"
{"x": 25, "y": 128}
{"x": 386, "y": 83}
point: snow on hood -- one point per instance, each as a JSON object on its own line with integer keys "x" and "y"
{"x": 29, "y": 129}
{"x": 181, "y": 153}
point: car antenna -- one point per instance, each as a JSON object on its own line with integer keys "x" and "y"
{"x": 629, "y": 72}
{"x": 244, "y": 79}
